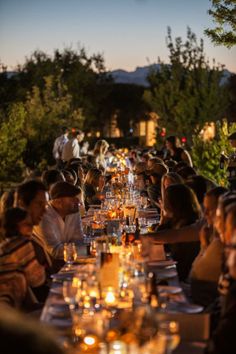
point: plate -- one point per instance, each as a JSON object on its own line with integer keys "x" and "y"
{"x": 62, "y": 276}
{"x": 165, "y": 274}
{"x": 59, "y": 311}
{"x": 169, "y": 289}
{"x": 164, "y": 263}
{"x": 183, "y": 307}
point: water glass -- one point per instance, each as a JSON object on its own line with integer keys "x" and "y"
{"x": 70, "y": 290}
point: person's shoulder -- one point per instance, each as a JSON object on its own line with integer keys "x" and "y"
{"x": 10, "y": 245}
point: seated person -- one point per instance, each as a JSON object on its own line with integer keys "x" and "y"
{"x": 206, "y": 268}
{"x": 223, "y": 338}
{"x": 20, "y": 269}
{"x": 61, "y": 221}
{"x": 19, "y": 333}
{"x": 93, "y": 186}
{"x": 32, "y": 196}
{"x": 181, "y": 208}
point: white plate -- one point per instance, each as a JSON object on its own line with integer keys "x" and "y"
{"x": 63, "y": 276}
{"x": 183, "y": 307}
{"x": 164, "y": 263}
{"x": 165, "y": 274}
{"x": 169, "y": 289}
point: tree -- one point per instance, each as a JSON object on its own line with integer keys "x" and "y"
{"x": 85, "y": 77}
{"x": 186, "y": 93}
{"x": 47, "y": 110}
{"x": 206, "y": 153}
{"x": 13, "y": 143}
{"x": 224, "y": 15}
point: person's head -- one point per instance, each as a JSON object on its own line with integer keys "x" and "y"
{"x": 186, "y": 172}
{"x": 79, "y": 170}
{"x": 199, "y": 186}
{"x": 230, "y": 222}
{"x": 101, "y": 147}
{"x": 181, "y": 204}
{"x": 16, "y": 221}
{"x": 158, "y": 170}
{"x": 140, "y": 167}
{"x": 32, "y": 196}
{"x": 50, "y": 177}
{"x": 69, "y": 175}
{"x": 141, "y": 181}
{"x": 210, "y": 203}
{"x": 171, "y": 178}
{"x": 153, "y": 161}
{"x": 219, "y": 222}
{"x": 79, "y": 135}
{"x": 171, "y": 164}
{"x": 94, "y": 177}
{"x": 172, "y": 142}
{"x": 65, "y": 198}
{"x": 19, "y": 333}
{"x": 6, "y": 201}
{"x": 65, "y": 131}
{"x": 231, "y": 259}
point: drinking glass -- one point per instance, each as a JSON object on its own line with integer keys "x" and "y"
{"x": 70, "y": 253}
{"x": 168, "y": 337}
{"x": 70, "y": 290}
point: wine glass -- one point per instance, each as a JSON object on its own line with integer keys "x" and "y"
{"x": 70, "y": 290}
{"x": 69, "y": 253}
{"x": 168, "y": 336}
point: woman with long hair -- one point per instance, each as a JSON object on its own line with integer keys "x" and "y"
{"x": 176, "y": 152}
{"x": 93, "y": 186}
{"x": 181, "y": 208}
{"x": 99, "y": 153}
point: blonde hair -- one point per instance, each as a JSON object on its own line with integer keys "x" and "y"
{"x": 100, "y": 147}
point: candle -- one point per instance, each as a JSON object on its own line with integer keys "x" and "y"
{"x": 118, "y": 347}
{"x": 110, "y": 297}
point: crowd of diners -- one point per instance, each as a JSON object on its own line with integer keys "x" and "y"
{"x": 197, "y": 227}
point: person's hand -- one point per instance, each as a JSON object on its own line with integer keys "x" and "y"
{"x": 205, "y": 236}
{"x": 101, "y": 183}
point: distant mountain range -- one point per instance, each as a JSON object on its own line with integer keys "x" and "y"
{"x": 139, "y": 75}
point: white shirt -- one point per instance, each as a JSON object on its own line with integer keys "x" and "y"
{"x": 58, "y": 146}
{"x": 55, "y": 231}
{"x": 71, "y": 150}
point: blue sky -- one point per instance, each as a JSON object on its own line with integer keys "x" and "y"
{"x": 129, "y": 33}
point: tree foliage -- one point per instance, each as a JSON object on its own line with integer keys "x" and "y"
{"x": 206, "y": 153}
{"x": 12, "y": 142}
{"x": 223, "y": 13}
{"x": 186, "y": 93}
{"x": 48, "y": 110}
{"x": 84, "y": 76}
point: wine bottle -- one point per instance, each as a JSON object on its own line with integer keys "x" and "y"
{"x": 137, "y": 230}
{"x": 153, "y": 292}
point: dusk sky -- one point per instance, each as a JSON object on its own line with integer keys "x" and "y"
{"x": 129, "y": 33}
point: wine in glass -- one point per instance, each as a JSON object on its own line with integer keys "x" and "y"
{"x": 70, "y": 253}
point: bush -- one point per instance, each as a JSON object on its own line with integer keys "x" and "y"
{"x": 206, "y": 153}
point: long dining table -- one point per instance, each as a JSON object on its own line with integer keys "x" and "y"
{"x": 174, "y": 304}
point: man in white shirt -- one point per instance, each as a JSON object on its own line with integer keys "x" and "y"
{"x": 61, "y": 222}
{"x": 71, "y": 149}
{"x": 58, "y": 146}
